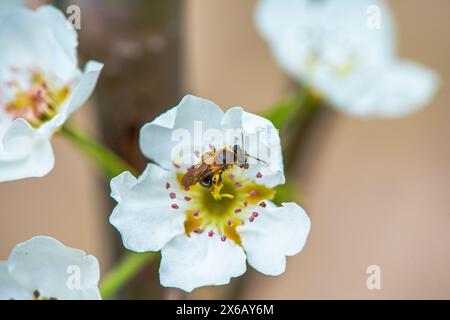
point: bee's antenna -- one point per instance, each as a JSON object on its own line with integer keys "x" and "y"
{"x": 257, "y": 159}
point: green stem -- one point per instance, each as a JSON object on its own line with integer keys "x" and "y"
{"x": 123, "y": 272}
{"x": 109, "y": 161}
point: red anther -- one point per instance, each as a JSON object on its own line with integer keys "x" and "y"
{"x": 255, "y": 214}
{"x": 263, "y": 204}
{"x": 187, "y": 198}
{"x": 231, "y": 176}
{"x": 172, "y": 195}
{"x": 210, "y": 233}
{"x": 223, "y": 238}
{"x": 246, "y": 166}
{"x": 245, "y": 203}
{"x": 259, "y": 175}
{"x": 252, "y": 193}
{"x": 230, "y": 223}
{"x": 238, "y": 185}
{"x": 186, "y": 188}
{"x": 196, "y": 213}
{"x": 175, "y": 206}
{"x": 197, "y": 230}
{"x": 251, "y": 218}
{"x": 238, "y": 210}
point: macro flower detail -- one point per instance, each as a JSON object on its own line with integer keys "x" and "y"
{"x": 40, "y": 87}
{"x": 333, "y": 47}
{"x": 42, "y": 268}
{"x": 208, "y": 229}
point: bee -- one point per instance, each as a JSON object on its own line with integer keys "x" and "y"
{"x": 209, "y": 170}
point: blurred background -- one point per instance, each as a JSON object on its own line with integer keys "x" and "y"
{"x": 377, "y": 191}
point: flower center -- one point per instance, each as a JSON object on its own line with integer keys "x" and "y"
{"x": 36, "y": 102}
{"x": 206, "y": 212}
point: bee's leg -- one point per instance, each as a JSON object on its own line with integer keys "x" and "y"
{"x": 217, "y": 187}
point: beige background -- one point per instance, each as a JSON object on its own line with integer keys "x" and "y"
{"x": 377, "y": 191}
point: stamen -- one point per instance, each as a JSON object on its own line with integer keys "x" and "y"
{"x": 238, "y": 210}
{"x": 210, "y": 233}
{"x": 172, "y": 195}
{"x": 251, "y": 218}
{"x": 197, "y": 230}
{"x": 252, "y": 193}
{"x": 246, "y": 166}
{"x": 229, "y": 223}
{"x": 245, "y": 203}
{"x": 196, "y": 213}
{"x": 223, "y": 238}
{"x": 238, "y": 185}
{"x": 231, "y": 176}
{"x": 167, "y": 185}
{"x": 187, "y": 198}
{"x": 255, "y": 214}
{"x": 186, "y": 188}
{"x": 263, "y": 204}
{"x": 175, "y": 206}
{"x": 259, "y": 175}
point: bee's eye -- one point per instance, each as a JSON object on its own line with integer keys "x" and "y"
{"x": 206, "y": 182}
{"x": 235, "y": 148}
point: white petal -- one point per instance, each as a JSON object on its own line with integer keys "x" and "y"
{"x": 159, "y": 138}
{"x": 273, "y": 17}
{"x": 262, "y": 140}
{"x": 24, "y": 152}
{"x": 10, "y": 288}
{"x": 86, "y": 86}
{"x": 191, "y": 262}
{"x": 77, "y": 98}
{"x": 63, "y": 31}
{"x": 33, "y": 43}
{"x": 143, "y": 215}
{"x": 390, "y": 90}
{"x": 46, "y": 265}
{"x": 277, "y": 232}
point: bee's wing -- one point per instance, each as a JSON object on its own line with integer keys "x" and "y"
{"x": 196, "y": 174}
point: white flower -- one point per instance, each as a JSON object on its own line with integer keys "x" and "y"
{"x": 204, "y": 239}
{"x": 42, "y": 268}
{"x": 336, "y": 47}
{"x": 40, "y": 86}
